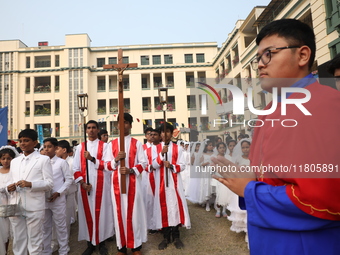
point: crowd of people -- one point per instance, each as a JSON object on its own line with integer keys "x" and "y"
{"x": 127, "y": 192}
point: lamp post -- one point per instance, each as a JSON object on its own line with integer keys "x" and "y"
{"x": 83, "y": 105}
{"x": 163, "y": 100}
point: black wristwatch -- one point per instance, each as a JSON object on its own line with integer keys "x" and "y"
{"x": 132, "y": 171}
{"x": 93, "y": 160}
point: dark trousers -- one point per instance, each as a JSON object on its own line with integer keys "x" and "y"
{"x": 169, "y": 232}
{"x": 124, "y": 249}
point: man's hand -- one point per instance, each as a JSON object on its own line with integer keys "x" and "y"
{"x": 86, "y": 186}
{"x": 236, "y": 181}
{"x": 23, "y": 184}
{"x": 167, "y": 164}
{"x": 121, "y": 155}
{"x": 124, "y": 170}
{"x": 87, "y": 155}
{"x": 165, "y": 149}
{"x": 11, "y": 187}
{"x": 53, "y": 197}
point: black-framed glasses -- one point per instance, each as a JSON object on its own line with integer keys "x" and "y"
{"x": 266, "y": 56}
{"x": 337, "y": 78}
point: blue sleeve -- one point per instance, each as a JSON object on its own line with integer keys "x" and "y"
{"x": 269, "y": 207}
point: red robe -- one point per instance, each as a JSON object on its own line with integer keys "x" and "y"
{"x": 128, "y": 209}
{"x": 315, "y": 140}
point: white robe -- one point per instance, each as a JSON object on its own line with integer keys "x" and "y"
{"x": 4, "y": 222}
{"x": 94, "y": 210}
{"x": 170, "y": 206}
{"x": 129, "y": 210}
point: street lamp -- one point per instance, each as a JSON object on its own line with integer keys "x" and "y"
{"x": 83, "y": 105}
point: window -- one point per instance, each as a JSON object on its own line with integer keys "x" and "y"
{"x": 191, "y": 102}
{"x": 188, "y": 58}
{"x": 168, "y": 59}
{"x": 126, "y": 104}
{"x": 100, "y": 62}
{"x": 146, "y": 101}
{"x": 42, "y": 61}
{"x": 42, "y": 84}
{"x": 156, "y": 59}
{"x": 169, "y": 77}
{"x": 101, "y": 83}
{"x": 57, "y": 107}
{"x": 27, "y": 109}
{"x": 113, "y": 106}
{"x": 56, "y": 60}
{"x": 112, "y": 61}
{"x": 126, "y": 82}
{"x": 56, "y": 88}
{"x": 145, "y": 81}
{"x": 144, "y": 60}
{"x": 192, "y": 122}
{"x": 189, "y": 78}
{"x": 171, "y": 103}
{"x": 101, "y": 107}
{"x": 200, "y": 58}
{"x": 47, "y": 130}
{"x": 332, "y": 14}
{"x": 147, "y": 123}
{"x": 57, "y": 129}
{"x": 28, "y": 62}
{"x": 42, "y": 108}
{"x": 157, "y": 80}
{"x": 125, "y": 60}
{"x": 28, "y": 85}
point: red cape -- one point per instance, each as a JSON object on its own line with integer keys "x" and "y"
{"x": 315, "y": 140}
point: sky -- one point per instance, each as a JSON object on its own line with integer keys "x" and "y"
{"x": 113, "y": 23}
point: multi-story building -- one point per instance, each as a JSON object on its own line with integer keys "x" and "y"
{"x": 40, "y": 84}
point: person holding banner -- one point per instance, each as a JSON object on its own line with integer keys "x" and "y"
{"x": 94, "y": 208}
{"x": 129, "y": 210}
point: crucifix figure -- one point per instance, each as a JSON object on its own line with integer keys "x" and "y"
{"x": 120, "y": 67}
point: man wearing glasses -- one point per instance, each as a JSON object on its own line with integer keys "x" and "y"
{"x": 292, "y": 212}
{"x": 334, "y": 69}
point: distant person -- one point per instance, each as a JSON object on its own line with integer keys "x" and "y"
{"x": 334, "y": 69}
{"x": 103, "y": 135}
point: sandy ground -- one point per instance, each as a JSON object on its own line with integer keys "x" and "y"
{"x": 208, "y": 235}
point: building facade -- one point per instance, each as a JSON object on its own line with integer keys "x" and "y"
{"x": 40, "y": 84}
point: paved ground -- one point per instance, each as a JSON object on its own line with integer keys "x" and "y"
{"x": 208, "y": 235}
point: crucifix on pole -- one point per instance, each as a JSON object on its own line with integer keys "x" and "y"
{"x": 120, "y": 68}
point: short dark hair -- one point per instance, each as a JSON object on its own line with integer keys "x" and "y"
{"x": 7, "y": 151}
{"x": 94, "y": 122}
{"x": 127, "y": 117}
{"x": 168, "y": 126}
{"x": 334, "y": 64}
{"x": 156, "y": 130}
{"x": 294, "y": 31}
{"x": 102, "y": 132}
{"x": 52, "y": 140}
{"x": 30, "y": 133}
{"x": 148, "y": 129}
{"x": 65, "y": 145}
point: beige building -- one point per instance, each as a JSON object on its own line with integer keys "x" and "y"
{"x": 40, "y": 84}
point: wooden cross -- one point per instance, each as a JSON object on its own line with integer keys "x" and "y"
{"x": 120, "y": 67}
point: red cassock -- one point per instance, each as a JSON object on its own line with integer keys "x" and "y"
{"x": 94, "y": 210}
{"x": 129, "y": 210}
{"x": 170, "y": 206}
